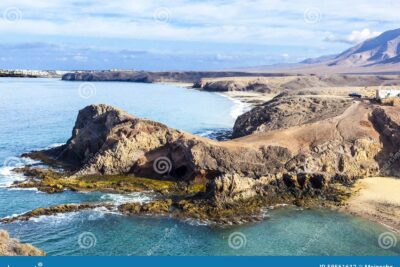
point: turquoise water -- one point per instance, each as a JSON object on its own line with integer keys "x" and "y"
{"x": 37, "y": 113}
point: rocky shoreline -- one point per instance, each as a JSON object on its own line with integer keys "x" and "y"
{"x": 302, "y": 150}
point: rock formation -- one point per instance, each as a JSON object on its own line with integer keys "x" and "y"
{"x": 166, "y": 76}
{"x": 285, "y": 111}
{"x": 334, "y": 143}
{"x": 12, "y": 247}
{"x": 278, "y": 84}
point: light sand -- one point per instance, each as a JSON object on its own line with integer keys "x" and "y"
{"x": 250, "y": 97}
{"x": 377, "y": 199}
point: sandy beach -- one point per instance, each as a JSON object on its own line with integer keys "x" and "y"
{"x": 251, "y": 98}
{"x": 377, "y": 198}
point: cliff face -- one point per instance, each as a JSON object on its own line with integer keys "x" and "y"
{"x": 12, "y": 247}
{"x": 387, "y": 122}
{"x": 149, "y": 77}
{"x": 291, "y": 83}
{"x": 339, "y": 143}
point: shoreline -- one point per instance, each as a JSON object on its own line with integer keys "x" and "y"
{"x": 245, "y": 101}
{"x": 376, "y": 199}
{"x": 251, "y": 98}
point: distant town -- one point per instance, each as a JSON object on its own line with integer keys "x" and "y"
{"x": 31, "y": 73}
{"x": 43, "y": 73}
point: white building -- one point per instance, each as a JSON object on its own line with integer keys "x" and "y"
{"x": 382, "y": 93}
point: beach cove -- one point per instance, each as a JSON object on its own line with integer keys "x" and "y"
{"x": 43, "y": 112}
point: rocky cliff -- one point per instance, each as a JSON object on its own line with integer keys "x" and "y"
{"x": 291, "y": 83}
{"x": 338, "y": 142}
{"x": 149, "y": 77}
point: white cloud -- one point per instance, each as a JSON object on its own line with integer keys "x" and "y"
{"x": 267, "y": 30}
{"x": 354, "y": 37}
{"x": 360, "y": 36}
{"x": 260, "y": 21}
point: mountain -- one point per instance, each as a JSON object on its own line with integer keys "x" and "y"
{"x": 379, "y": 54}
{"x": 384, "y": 49}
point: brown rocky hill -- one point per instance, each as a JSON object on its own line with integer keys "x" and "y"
{"x": 342, "y": 142}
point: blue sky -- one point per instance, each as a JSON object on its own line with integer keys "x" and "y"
{"x": 183, "y": 34}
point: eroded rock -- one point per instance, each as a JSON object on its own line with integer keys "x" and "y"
{"x": 12, "y": 247}
{"x": 307, "y": 155}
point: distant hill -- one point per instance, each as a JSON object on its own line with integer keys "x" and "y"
{"x": 379, "y": 54}
{"x": 380, "y": 50}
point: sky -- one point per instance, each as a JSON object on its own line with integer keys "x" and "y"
{"x": 183, "y": 34}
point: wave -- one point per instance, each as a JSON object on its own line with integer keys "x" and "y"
{"x": 54, "y": 145}
{"x": 238, "y": 108}
{"x": 56, "y": 218}
{"x": 140, "y": 197}
{"x": 7, "y": 176}
{"x": 81, "y": 216}
{"x": 196, "y": 222}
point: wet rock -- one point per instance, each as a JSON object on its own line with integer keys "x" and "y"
{"x": 65, "y": 208}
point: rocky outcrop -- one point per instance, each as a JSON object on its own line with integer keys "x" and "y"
{"x": 12, "y": 247}
{"x": 387, "y": 122}
{"x": 218, "y": 85}
{"x": 293, "y": 83}
{"x": 286, "y": 111}
{"x": 328, "y": 148}
{"x": 107, "y": 141}
{"x": 128, "y": 76}
{"x": 167, "y": 76}
{"x": 65, "y": 208}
